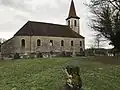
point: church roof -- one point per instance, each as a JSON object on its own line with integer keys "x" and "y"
{"x": 72, "y": 12}
{"x": 32, "y": 28}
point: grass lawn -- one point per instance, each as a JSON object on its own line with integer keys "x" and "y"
{"x": 97, "y": 73}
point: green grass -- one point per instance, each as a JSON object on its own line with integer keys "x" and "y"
{"x": 97, "y": 73}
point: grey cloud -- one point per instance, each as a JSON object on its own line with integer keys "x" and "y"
{"x": 42, "y": 9}
{"x": 45, "y": 11}
{"x": 17, "y": 4}
{"x": 11, "y": 26}
{"x": 13, "y": 3}
{"x": 55, "y": 11}
{"x": 23, "y": 18}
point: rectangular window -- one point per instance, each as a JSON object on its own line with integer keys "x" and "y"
{"x": 75, "y": 22}
{"x": 38, "y": 42}
{"x": 62, "y": 43}
{"x": 80, "y": 43}
{"x": 69, "y": 23}
{"x": 71, "y": 43}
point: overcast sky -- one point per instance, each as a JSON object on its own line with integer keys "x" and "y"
{"x": 15, "y": 13}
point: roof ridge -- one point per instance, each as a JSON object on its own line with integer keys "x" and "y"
{"x": 46, "y": 23}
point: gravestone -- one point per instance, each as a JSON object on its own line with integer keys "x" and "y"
{"x": 73, "y": 79}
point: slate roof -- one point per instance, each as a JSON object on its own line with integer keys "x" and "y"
{"x": 72, "y": 12}
{"x": 32, "y": 28}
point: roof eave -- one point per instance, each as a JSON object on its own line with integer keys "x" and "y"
{"x": 73, "y": 17}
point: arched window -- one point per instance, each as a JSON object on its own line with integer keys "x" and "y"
{"x": 51, "y": 42}
{"x": 38, "y": 42}
{"x": 75, "y": 22}
{"x": 69, "y": 23}
{"x": 62, "y": 43}
{"x": 80, "y": 43}
{"x": 71, "y": 43}
{"x": 22, "y": 43}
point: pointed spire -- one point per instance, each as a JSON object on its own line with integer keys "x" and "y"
{"x": 72, "y": 12}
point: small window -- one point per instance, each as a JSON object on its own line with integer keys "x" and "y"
{"x": 23, "y": 43}
{"x": 62, "y": 43}
{"x": 71, "y": 43}
{"x": 69, "y": 23}
{"x": 51, "y": 42}
{"x": 80, "y": 43}
{"x": 38, "y": 42}
{"x": 75, "y": 22}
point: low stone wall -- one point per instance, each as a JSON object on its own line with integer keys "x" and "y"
{"x": 40, "y": 55}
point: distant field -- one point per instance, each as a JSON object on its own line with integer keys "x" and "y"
{"x": 97, "y": 73}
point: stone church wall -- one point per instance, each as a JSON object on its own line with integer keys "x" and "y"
{"x": 31, "y": 44}
{"x": 7, "y": 48}
{"x": 14, "y": 45}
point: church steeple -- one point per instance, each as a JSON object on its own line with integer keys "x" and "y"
{"x": 72, "y": 12}
{"x": 73, "y": 20}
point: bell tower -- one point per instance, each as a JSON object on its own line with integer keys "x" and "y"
{"x": 73, "y": 19}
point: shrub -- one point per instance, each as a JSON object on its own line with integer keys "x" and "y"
{"x": 16, "y": 56}
{"x": 39, "y": 55}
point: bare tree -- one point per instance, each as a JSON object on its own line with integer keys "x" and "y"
{"x": 99, "y": 41}
{"x": 113, "y": 3}
{"x": 106, "y": 20}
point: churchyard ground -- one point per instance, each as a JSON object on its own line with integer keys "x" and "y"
{"x": 97, "y": 73}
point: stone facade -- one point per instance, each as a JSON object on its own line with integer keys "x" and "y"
{"x": 7, "y": 48}
{"x": 15, "y": 45}
{"x": 52, "y": 38}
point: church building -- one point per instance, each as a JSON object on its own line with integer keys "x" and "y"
{"x": 39, "y": 37}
